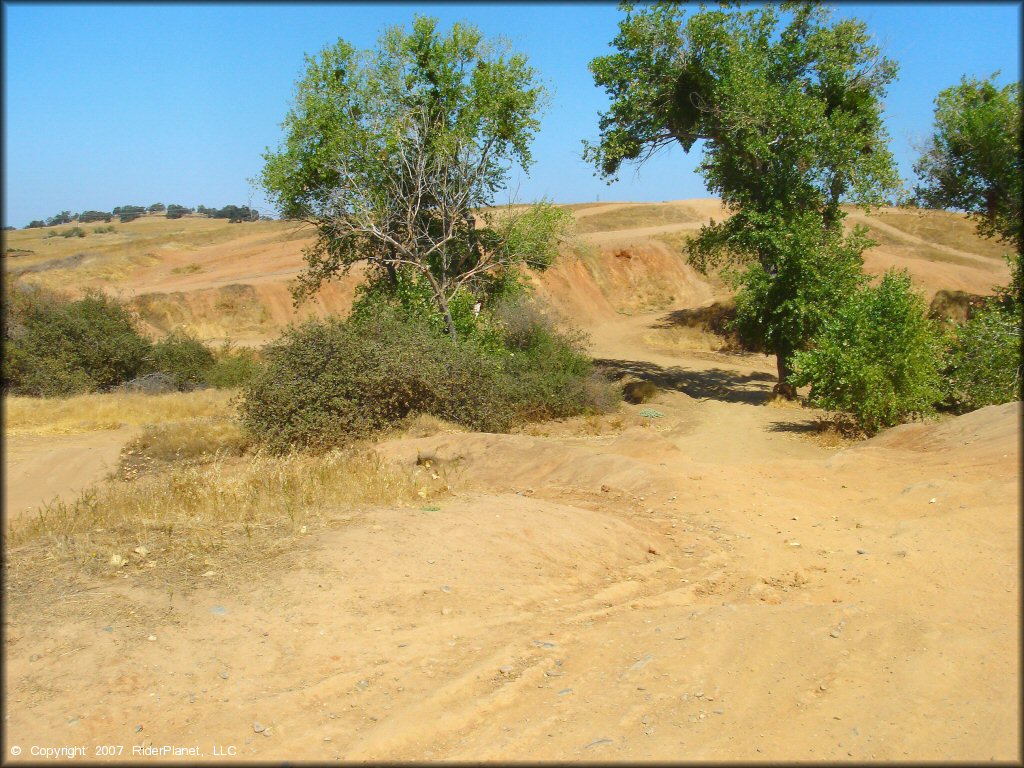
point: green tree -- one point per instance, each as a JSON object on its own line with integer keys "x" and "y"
{"x": 876, "y": 357}
{"x": 392, "y": 153}
{"x": 973, "y": 161}
{"x": 788, "y": 105}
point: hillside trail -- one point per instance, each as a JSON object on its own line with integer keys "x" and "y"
{"x": 709, "y": 584}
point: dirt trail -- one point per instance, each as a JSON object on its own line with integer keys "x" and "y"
{"x": 42, "y": 468}
{"x": 709, "y": 585}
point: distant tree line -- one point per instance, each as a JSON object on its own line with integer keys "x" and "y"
{"x": 125, "y": 213}
{"x": 234, "y": 213}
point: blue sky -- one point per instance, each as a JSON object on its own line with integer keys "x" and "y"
{"x": 112, "y": 104}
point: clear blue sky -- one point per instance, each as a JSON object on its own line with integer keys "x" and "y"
{"x": 112, "y": 104}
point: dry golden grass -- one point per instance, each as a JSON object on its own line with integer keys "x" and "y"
{"x": 630, "y": 216}
{"x": 945, "y": 228}
{"x": 224, "y": 520}
{"x": 195, "y": 439}
{"x": 112, "y": 256}
{"x": 425, "y": 425}
{"x": 110, "y": 410}
{"x": 682, "y": 339}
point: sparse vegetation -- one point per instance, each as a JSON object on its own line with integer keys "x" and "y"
{"x": 110, "y": 410}
{"x": 223, "y": 518}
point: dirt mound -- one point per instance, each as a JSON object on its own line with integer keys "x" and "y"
{"x": 986, "y": 435}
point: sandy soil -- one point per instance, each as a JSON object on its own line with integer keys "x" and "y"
{"x": 42, "y": 468}
{"x": 713, "y": 584}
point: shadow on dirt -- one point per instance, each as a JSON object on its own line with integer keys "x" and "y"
{"x": 797, "y": 427}
{"x": 716, "y": 383}
{"x": 713, "y": 318}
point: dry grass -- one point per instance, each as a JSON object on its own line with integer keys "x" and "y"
{"x": 630, "y": 216}
{"x": 222, "y": 521}
{"x": 197, "y": 439}
{"x": 112, "y": 256}
{"x": 945, "y": 228}
{"x": 110, "y": 410}
{"x": 425, "y": 425}
{"x": 683, "y": 339}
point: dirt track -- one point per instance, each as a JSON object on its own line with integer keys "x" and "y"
{"x": 708, "y": 585}
{"x": 42, "y": 468}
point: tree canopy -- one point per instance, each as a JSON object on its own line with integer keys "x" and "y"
{"x": 788, "y": 105}
{"x": 392, "y": 153}
{"x": 973, "y": 160}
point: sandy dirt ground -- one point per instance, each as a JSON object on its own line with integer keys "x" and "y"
{"x": 712, "y": 584}
{"x": 42, "y": 468}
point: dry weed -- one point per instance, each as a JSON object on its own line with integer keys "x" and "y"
{"x": 197, "y": 439}
{"x": 220, "y": 521}
{"x": 110, "y": 410}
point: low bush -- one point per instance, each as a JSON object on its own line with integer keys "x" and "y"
{"x": 55, "y": 346}
{"x": 983, "y": 363}
{"x": 232, "y": 367}
{"x": 183, "y": 357}
{"x": 327, "y": 383}
{"x": 877, "y": 357}
{"x": 547, "y": 373}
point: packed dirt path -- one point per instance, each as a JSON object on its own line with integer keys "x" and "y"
{"x": 39, "y": 469}
{"x": 710, "y": 584}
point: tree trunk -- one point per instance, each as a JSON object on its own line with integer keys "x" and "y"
{"x": 442, "y": 302}
{"x": 390, "y": 266}
{"x": 784, "y": 389}
{"x": 448, "y": 319}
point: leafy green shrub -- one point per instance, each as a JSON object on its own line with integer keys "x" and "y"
{"x": 983, "y": 365}
{"x": 325, "y": 383}
{"x": 547, "y": 372}
{"x": 104, "y": 229}
{"x": 184, "y": 357}
{"x": 54, "y": 346}
{"x": 73, "y": 232}
{"x": 877, "y": 357}
{"x": 232, "y": 368}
